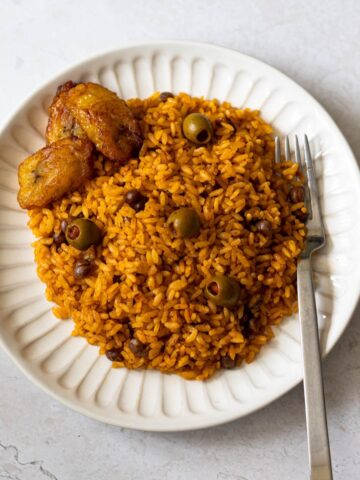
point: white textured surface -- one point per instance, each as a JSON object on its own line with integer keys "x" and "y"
{"x": 271, "y": 443}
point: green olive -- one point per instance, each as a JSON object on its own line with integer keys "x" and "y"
{"x": 197, "y": 128}
{"x": 81, "y": 233}
{"x": 223, "y": 291}
{"x": 186, "y": 222}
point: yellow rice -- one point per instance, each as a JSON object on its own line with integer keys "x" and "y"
{"x": 148, "y": 283}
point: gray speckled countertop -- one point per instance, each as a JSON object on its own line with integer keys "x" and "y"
{"x": 317, "y": 44}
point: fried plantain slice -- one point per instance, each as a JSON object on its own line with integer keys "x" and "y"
{"x": 53, "y": 171}
{"x": 61, "y": 123}
{"x": 106, "y": 119}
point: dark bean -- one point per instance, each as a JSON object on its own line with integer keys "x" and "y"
{"x": 297, "y": 194}
{"x": 165, "y": 95}
{"x": 302, "y": 216}
{"x": 116, "y": 278}
{"x": 63, "y": 225}
{"x": 227, "y": 362}
{"x": 137, "y": 347}
{"x": 114, "y": 355}
{"x": 59, "y": 238}
{"x": 82, "y": 269}
{"x": 136, "y": 200}
{"x": 139, "y": 206}
{"x": 133, "y": 196}
{"x": 264, "y": 227}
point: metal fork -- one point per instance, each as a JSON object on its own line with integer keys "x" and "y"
{"x": 315, "y": 410}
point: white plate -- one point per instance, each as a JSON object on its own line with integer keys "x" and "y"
{"x": 70, "y": 369}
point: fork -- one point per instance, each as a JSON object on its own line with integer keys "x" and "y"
{"x": 315, "y": 410}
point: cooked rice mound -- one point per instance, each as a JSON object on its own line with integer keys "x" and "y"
{"x": 147, "y": 283}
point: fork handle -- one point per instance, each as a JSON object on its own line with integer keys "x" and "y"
{"x": 315, "y": 410}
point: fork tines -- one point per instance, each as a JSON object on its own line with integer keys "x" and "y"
{"x": 306, "y": 165}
